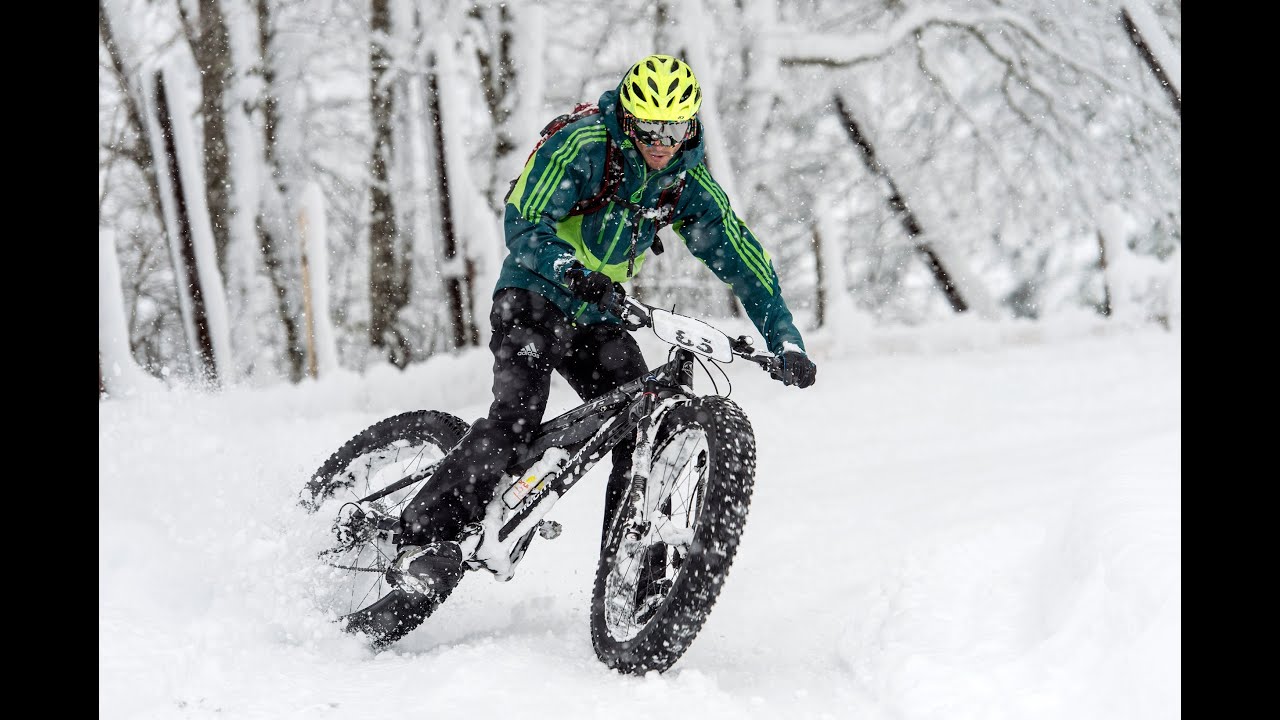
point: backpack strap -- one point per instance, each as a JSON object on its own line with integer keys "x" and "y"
{"x": 613, "y": 171}
{"x": 667, "y": 202}
{"x": 580, "y": 110}
{"x": 662, "y": 216}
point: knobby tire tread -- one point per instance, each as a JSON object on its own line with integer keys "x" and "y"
{"x": 416, "y": 426}
{"x": 731, "y": 478}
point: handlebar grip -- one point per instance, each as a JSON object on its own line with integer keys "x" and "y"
{"x": 770, "y": 363}
{"x": 632, "y": 313}
{"x": 612, "y": 303}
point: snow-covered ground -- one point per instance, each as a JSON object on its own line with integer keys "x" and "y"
{"x": 956, "y": 522}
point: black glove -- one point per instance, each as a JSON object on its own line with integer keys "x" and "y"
{"x": 590, "y": 286}
{"x": 797, "y": 369}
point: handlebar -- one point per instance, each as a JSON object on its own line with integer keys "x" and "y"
{"x": 635, "y": 315}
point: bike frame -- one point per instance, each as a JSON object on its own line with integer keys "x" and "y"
{"x": 564, "y": 450}
{"x": 568, "y": 446}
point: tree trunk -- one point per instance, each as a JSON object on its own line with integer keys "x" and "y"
{"x": 388, "y": 273}
{"x": 271, "y": 230}
{"x": 139, "y": 153}
{"x": 1105, "y": 310}
{"x": 498, "y": 73}
{"x": 1157, "y": 69}
{"x": 902, "y": 210}
{"x": 820, "y": 281}
{"x": 278, "y": 274}
{"x": 187, "y": 270}
{"x": 455, "y": 290}
{"x": 308, "y": 310}
{"x": 313, "y": 230}
{"x": 212, "y": 50}
{"x": 122, "y": 374}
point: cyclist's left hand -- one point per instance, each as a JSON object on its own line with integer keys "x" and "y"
{"x": 797, "y": 369}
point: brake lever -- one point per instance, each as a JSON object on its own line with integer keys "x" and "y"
{"x": 743, "y": 347}
{"x": 635, "y": 320}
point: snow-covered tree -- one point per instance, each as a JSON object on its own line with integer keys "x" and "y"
{"x": 1007, "y": 130}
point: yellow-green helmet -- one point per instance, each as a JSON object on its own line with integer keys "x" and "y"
{"x": 660, "y": 87}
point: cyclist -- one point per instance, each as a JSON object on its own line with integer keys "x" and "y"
{"x": 563, "y": 260}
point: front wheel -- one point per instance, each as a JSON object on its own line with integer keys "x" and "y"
{"x": 657, "y": 580}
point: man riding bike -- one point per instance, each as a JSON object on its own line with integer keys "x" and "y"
{"x": 564, "y": 260}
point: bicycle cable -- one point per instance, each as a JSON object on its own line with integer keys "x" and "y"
{"x": 714, "y": 385}
{"x": 671, "y": 354}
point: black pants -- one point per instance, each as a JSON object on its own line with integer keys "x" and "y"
{"x": 531, "y": 339}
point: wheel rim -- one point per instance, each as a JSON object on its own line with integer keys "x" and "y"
{"x": 365, "y": 548}
{"x": 645, "y": 566}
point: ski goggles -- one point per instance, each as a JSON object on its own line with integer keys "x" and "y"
{"x": 659, "y": 132}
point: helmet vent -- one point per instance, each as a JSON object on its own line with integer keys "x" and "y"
{"x": 660, "y": 88}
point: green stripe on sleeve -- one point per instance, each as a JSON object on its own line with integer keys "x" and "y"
{"x": 751, "y": 255}
{"x": 537, "y": 201}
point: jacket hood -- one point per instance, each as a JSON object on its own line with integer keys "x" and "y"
{"x": 690, "y": 155}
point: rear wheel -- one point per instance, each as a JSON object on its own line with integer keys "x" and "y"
{"x": 393, "y": 458}
{"x": 657, "y": 580}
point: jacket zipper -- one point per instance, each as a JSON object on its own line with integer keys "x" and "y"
{"x": 635, "y": 198}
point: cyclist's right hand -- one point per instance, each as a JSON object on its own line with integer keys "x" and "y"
{"x": 586, "y": 285}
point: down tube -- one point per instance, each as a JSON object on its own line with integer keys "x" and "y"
{"x": 609, "y": 434}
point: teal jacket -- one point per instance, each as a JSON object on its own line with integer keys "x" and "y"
{"x": 543, "y": 239}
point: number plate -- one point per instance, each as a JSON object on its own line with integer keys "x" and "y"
{"x": 693, "y": 335}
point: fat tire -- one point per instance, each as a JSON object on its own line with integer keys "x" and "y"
{"x": 441, "y": 428}
{"x": 670, "y": 631}
{"x": 327, "y": 485}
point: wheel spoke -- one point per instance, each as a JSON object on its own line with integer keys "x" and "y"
{"x": 365, "y": 475}
{"x": 643, "y": 570}
{"x": 701, "y": 480}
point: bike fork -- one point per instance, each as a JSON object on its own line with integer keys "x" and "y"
{"x": 649, "y": 409}
{"x": 638, "y": 518}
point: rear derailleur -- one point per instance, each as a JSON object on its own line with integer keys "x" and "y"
{"x": 357, "y": 526}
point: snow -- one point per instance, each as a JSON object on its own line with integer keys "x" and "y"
{"x": 968, "y": 520}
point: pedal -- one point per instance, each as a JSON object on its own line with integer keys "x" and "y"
{"x": 431, "y": 570}
{"x": 550, "y": 529}
{"x": 469, "y": 542}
